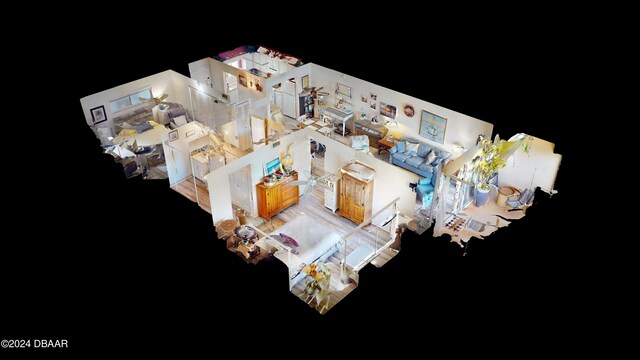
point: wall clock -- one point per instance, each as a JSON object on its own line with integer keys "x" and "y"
{"x": 408, "y": 110}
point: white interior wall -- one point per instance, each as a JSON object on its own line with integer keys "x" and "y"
{"x": 388, "y": 177}
{"x": 218, "y": 180}
{"x": 181, "y": 85}
{"x": 296, "y": 73}
{"x": 390, "y": 182}
{"x": 259, "y": 101}
{"x": 177, "y": 154}
{"x": 161, "y": 83}
{"x": 539, "y": 167}
{"x": 461, "y": 129}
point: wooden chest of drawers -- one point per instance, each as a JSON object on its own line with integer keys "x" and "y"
{"x": 275, "y": 198}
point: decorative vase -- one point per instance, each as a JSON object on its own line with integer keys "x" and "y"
{"x": 482, "y": 196}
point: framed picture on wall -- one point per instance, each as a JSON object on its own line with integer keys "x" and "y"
{"x": 305, "y": 82}
{"x": 242, "y": 80}
{"x": 98, "y": 115}
{"x": 373, "y": 100}
{"x": 432, "y": 127}
{"x": 173, "y": 135}
{"x": 387, "y": 110}
{"x": 343, "y": 90}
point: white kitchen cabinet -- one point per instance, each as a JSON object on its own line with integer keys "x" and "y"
{"x": 200, "y": 166}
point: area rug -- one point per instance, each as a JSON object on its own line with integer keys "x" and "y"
{"x": 271, "y": 226}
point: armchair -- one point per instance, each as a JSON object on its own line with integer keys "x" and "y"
{"x": 360, "y": 142}
{"x": 525, "y": 200}
{"x": 424, "y": 190}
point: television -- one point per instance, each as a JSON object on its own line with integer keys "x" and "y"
{"x": 272, "y": 166}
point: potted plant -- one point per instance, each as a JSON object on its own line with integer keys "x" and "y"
{"x": 489, "y": 161}
{"x": 492, "y": 157}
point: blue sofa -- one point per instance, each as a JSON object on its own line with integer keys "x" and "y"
{"x": 415, "y": 162}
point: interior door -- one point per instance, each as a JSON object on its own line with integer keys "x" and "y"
{"x": 358, "y": 201}
{"x": 346, "y": 194}
{"x": 243, "y": 124}
{"x": 202, "y": 107}
{"x": 242, "y": 191}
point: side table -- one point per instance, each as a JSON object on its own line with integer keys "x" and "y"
{"x": 385, "y": 145}
{"x": 224, "y": 229}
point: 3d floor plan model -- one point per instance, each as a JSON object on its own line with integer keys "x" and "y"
{"x": 316, "y": 168}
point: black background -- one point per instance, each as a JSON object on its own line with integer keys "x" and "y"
{"x": 112, "y": 264}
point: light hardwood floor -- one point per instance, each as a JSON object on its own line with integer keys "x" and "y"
{"x": 312, "y": 205}
{"x": 186, "y": 188}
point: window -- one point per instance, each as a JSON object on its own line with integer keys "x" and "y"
{"x": 130, "y": 100}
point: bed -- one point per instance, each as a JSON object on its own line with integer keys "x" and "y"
{"x": 311, "y": 242}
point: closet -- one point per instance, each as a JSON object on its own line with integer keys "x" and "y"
{"x": 355, "y": 198}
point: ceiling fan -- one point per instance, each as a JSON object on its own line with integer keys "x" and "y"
{"x": 312, "y": 181}
{"x": 156, "y": 99}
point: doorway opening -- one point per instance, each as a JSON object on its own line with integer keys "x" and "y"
{"x": 241, "y": 190}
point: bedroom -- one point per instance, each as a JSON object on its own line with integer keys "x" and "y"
{"x": 335, "y": 156}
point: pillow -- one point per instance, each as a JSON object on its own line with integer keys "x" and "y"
{"x": 127, "y": 132}
{"x": 144, "y": 127}
{"x": 412, "y": 149}
{"x": 423, "y": 150}
{"x": 289, "y": 239}
{"x": 430, "y": 157}
{"x": 401, "y": 146}
{"x": 424, "y": 181}
{"x": 284, "y": 240}
{"x": 180, "y": 120}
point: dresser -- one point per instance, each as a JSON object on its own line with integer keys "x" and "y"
{"x": 331, "y": 194}
{"x": 375, "y": 132}
{"x": 275, "y": 198}
{"x": 356, "y": 194}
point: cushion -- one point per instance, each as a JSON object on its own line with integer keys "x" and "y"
{"x": 414, "y": 161}
{"x": 424, "y": 181}
{"x": 401, "y": 157}
{"x": 424, "y": 189}
{"x": 401, "y": 146}
{"x": 180, "y": 120}
{"x": 423, "y": 150}
{"x": 127, "y": 132}
{"x": 412, "y": 149}
{"x": 425, "y": 166}
{"x": 289, "y": 239}
{"x": 430, "y": 157}
{"x": 286, "y": 241}
{"x": 144, "y": 127}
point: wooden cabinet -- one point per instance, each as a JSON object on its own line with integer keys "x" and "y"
{"x": 275, "y": 198}
{"x": 355, "y": 198}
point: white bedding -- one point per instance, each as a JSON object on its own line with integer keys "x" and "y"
{"x": 313, "y": 240}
